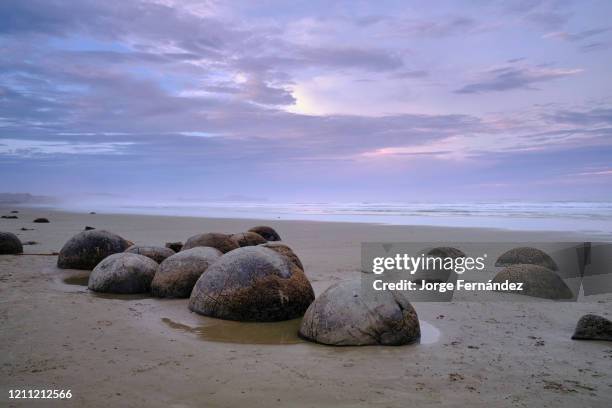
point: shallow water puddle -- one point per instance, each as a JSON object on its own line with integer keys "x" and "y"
{"x": 226, "y": 331}
{"x": 80, "y": 279}
{"x": 429, "y": 333}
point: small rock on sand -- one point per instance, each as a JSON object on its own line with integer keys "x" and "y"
{"x": 593, "y": 327}
{"x": 41, "y": 220}
{"x": 9, "y": 217}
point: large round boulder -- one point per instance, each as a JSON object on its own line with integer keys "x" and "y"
{"x": 346, "y": 315}
{"x": 537, "y": 281}
{"x": 285, "y": 251}
{"x": 526, "y": 255}
{"x": 222, "y": 242}
{"x": 86, "y": 249}
{"x": 252, "y": 284}
{"x": 593, "y": 327}
{"x": 177, "y": 275}
{"x": 248, "y": 239}
{"x": 123, "y": 273}
{"x": 268, "y": 233}
{"x": 440, "y": 263}
{"x": 10, "y": 244}
{"x": 158, "y": 254}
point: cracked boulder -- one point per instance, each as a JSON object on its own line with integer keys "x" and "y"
{"x": 252, "y": 284}
{"x": 222, "y": 242}
{"x": 178, "y": 273}
{"x": 248, "y": 239}
{"x": 123, "y": 273}
{"x": 526, "y": 255}
{"x": 10, "y": 244}
{"x": 593, "y": 327}
{"x": 86, "y": 249}
{"x": 268, "y": 233}
{"x": 285, "y": 251}
{"x": 538, "y": 281}
{"x": 158, "y": 254}
{"x": 348, "y": 315}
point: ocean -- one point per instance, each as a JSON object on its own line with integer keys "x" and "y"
{"x": 591, "y": 217}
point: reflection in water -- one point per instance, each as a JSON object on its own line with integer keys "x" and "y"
{"x": 80, "y": 279}
{"x": 227, "y": 331}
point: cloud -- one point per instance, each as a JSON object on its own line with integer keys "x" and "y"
{"x": 512, "y": 77}
{"x": 30, "y": 148}
{"x": 546, "y": 14}
{"x": 304, "y": 95}
{"x": 581, "y": 36}
{"x": 577, "y": 36}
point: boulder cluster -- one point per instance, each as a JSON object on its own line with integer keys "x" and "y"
{"x": 230, "y": 276}
{"x": 254, "y": 277}
{"x": 536, "y": 270}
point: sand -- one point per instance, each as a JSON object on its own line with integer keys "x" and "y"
{"x": 135, "y": 351}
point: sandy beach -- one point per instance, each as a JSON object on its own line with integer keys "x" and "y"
{"x": 133, "y": 351}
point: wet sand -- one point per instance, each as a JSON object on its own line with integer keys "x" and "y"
{"x": 135, "y": 350}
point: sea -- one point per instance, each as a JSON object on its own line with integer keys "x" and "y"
{"x": 588, "y": 217}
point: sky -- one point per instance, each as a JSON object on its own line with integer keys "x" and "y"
{"x": 307, "y": 100}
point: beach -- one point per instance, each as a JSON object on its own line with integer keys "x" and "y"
{"x": 136, "y": 350}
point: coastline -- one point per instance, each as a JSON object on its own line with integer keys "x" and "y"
{"x": 132, "y": 350}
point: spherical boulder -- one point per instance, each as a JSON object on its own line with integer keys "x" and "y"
{"x": 158, "y": 254}
{"x": 248, "y": 239}
{"x": 285, "y": 251}
{"x": 222, "y": 242}
{"x": 537, "y": 281}
{"x": 268, "y": 233}
{"x": 593, "y": 327}
{"x": 252, "y": 284}
{"x": 175, "y": 246}
{"x": 442, "y": 267}
{"x": 347, "y": 314}
{"x": 526, "y": 255}
{"x": 178, "y": 273}
{"x": 123, "y": 273}
{"x": 10, "y": 244}
{"x": 86, "y": 249}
